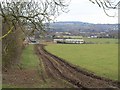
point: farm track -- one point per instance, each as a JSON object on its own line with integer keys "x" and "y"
{"x": 57, "y": 68}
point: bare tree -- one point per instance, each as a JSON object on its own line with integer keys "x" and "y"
{"x": 107, "y": 5}
{"x": 31, "y": 13}
{"x": 22, "y": 18}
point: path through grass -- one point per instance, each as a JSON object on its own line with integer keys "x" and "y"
{"x": 29, "y": 58}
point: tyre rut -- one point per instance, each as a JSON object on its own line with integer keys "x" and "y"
{"x": 58, "y": 68}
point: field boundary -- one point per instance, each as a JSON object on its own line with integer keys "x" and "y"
{"x": 81, "y": 70}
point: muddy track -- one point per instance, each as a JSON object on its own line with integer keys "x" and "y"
{"x": 58, "y": 68}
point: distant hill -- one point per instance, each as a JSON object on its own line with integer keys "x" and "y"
{"x": 81, "y": 26}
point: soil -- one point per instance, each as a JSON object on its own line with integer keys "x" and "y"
{"x": 60, "y": 74}
{"x": 18, "y": 77}
{"x": 21, "y": 78}
{"x": 59, "y": 68}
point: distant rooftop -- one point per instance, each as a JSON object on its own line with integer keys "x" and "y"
{"x": 69, "y": 37}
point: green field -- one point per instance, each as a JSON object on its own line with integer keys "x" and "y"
{"x": 101, "y": 40}
{"x": 102, "y": 59}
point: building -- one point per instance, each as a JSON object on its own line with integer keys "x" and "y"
{"x": 69, "y": 40}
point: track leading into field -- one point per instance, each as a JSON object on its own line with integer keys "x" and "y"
{"x": 59, "y": 69}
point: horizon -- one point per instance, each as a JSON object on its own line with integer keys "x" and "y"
{"x": 83, "y": 22}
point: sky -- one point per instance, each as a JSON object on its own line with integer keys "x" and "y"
{"x": 85, "y": 11}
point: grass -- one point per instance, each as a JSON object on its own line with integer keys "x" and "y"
{"x": 102, "y": 59}
{"x": 29, "y": 58}
{"x": 101, "y": 40}
{"x": 30, "y": 61}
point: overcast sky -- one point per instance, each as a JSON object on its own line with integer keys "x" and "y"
{"x": 85, "y": 11}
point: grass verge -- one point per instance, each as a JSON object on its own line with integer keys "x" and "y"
{"x": 29, "y": 59}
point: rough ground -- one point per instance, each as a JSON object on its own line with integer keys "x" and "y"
{"x": 29, "y": 79}
{"x": 20, "y": 77}
{"x": 58, "y": 68}
{"x": 54, "y": 72}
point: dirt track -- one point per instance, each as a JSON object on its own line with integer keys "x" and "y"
{"x": 58, "y": 68}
